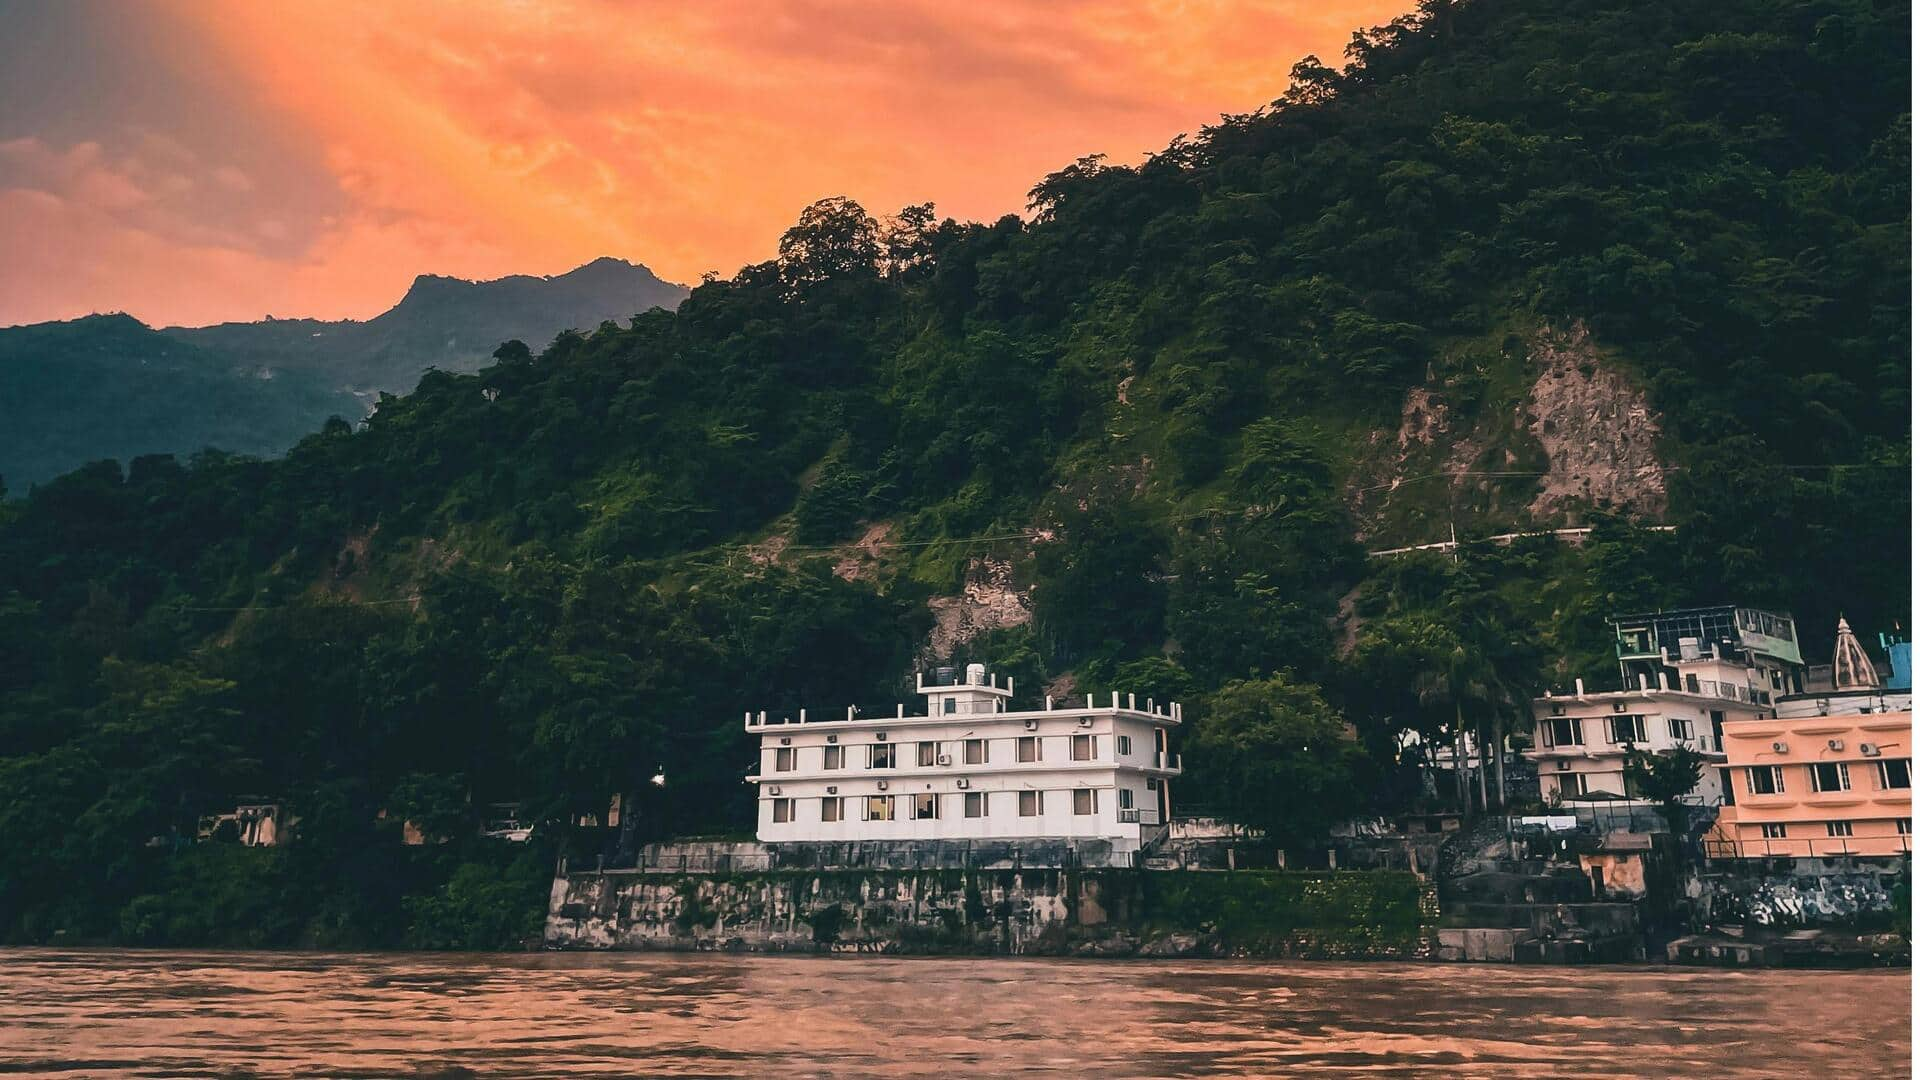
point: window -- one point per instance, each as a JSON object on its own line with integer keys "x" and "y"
{"x": 928, "y": 753}
{"x": 950, "y": 706}
{"x": 1693, "y": 684}
{"x": 1839, "y": 828}
{"x": 782, "y": 811}
{"x": 1029, "y": 746}
{"x": 1086, "y": 801}
{"x": 1126, "y": 798}
{"x": 1032, "y": 804}
{"x": 1123, "y": 745}
{"x": 1765, "y": 780}
{"x": 1572, "y": 784}
{"x": 976, "y": 751}
{"x": 830, "y": 809}
{"x": 1681, "y": 730}
{"x": 834, "y": 758}
{"x": 1896, "y": 773}
{"x": 879, "y": 808}
{"x": 783, "y": 759}
{"x": 1564, "y": 731}
{"x": 926, "y": 807}
{"x": 1625, "y": 729}
{"x": 976, "y": 804}
{"x": 1829, "y": 776}
{"x": 1774, "y": 830}
{"x": 880, "y": 756}
{"x": 1083, "y": 748}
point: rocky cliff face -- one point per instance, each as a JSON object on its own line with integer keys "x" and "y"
{"x": 1599, "y": 433}
{"x": 1531, "y": 437}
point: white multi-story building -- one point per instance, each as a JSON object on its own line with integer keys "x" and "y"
{"x": 969, "y": 769}
{"x": 1687, "y": 674}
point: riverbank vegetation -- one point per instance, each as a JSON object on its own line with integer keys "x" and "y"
{"x": 1173, "y": 407}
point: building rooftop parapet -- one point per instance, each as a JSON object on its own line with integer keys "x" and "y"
{"x": 1659, "y": 686}
{"x": 1168, "y": 713}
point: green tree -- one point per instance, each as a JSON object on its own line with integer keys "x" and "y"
{"x": 1666, "y": 778}
{"x": 1278, "y": 758}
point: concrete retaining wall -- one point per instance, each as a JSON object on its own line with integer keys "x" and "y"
{"x": 1032, "y": 912}
{"x": 1838, "y": 892}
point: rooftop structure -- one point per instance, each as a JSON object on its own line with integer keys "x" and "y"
{"x": 969, "y": 768}
{"x": 1761, "y": 641}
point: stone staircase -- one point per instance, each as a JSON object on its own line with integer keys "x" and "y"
{"x": 1499, "y": 903}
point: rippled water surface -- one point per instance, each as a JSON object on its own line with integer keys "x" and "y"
{"x": 87, "y": 1013}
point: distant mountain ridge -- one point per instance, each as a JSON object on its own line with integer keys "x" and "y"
{"x": 108, "y": 386}
{"x": 444, "y": 322}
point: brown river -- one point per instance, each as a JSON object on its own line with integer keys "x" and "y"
{"x": 237, "y": 1014}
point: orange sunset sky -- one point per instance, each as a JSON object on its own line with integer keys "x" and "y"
{"x": 191, "y": 162}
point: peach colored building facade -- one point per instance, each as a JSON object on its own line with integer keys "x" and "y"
{"x": 1831, "y": 775}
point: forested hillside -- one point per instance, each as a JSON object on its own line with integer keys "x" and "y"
{"x": 1517, "y": 263}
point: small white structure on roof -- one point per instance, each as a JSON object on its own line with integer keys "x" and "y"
{"x": 969, "y": 769}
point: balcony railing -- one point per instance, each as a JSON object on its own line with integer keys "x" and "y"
{"x": 1829, "y": 847}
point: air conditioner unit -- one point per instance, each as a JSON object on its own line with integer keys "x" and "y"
{"x": 1030, "y": 725}
{"x": 1086, "y": 721}
{"x": 831, "y": 739}
{"x": 880, "y": 736}
{"x": 963, "y": 783}
{"x": 833, "y": 789}
{"x": 945, "y": 759}
{"x": 773, "y": 789}
{"x": 882, "y": 785}
{"x": 1619, "y": 706}
{"x": 1565, "y": 765}
{"x": 1836, "y": 744}
{"x": 1559, "y": 710}
{"x": 1779, "y": 748}
{"x": 1868, "y": 749}
{"x": 786, "y": 740}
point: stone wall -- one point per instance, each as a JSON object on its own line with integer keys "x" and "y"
{"x": 1856, "y": 892}
{"x": 1031, "y": 911}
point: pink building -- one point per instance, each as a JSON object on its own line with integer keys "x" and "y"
{"x": 1829, "y": 773}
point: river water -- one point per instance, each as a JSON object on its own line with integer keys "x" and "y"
{"x": 237, "y": 1014}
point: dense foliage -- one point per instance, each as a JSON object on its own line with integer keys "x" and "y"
{"x": 1156, "y": 402}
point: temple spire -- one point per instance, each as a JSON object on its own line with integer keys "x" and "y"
{"x": 1852, "y": 670}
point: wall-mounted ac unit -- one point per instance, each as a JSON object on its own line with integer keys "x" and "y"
{"x": 1031, "y": 725}
{"x": 1836, "y": 744}
{"x": 773, "y": 789}
{"x": 1086, "y": 721}
{"x": 1559, "y": 710}
{"x": 786, "y": 740}
{"x": 1619, "y": 706}
{"x": 1565, "y": 766}
{"x": 879, "y": 736}
{"x": 1779, "y": 748}
{"x": 831, "y": 739}
{"x": 945, "y": 759}
{"x": 963, "y": 783}
{"x": 1868, "y": 749}
{"x": 833, "y": 789}
{"x": 882, "y": 785}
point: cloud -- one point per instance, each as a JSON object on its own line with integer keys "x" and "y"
{"x": 505, "y": 136}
